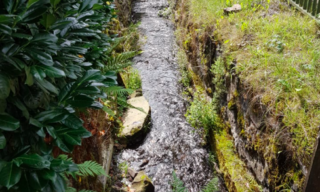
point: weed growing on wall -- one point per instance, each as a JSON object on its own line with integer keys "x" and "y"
{"x": 201, "y": 113}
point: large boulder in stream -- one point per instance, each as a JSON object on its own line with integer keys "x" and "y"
{"x": 142, "y": 183}
{"x": 135, "y": 122}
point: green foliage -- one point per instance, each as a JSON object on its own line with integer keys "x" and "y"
{"x": 177, "y": 185}
{"x": 218, "y": 69}
{"x": 183, "y": 62}
{"x": 201, "y": 113}
{"x": 132, "y": 78}
{"x": 90, "y": 168}
{"x": 212, "y": 186}
{"x": 54, "y": 60}
{"x": 124, "y": 167}
{"x": 131, "y": 37}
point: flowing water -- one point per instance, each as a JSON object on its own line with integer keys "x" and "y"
{"x": 172, "y": 144}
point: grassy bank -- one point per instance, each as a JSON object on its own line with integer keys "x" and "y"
{"x": 277, "y": 53}
{"x": 275, "y": 50}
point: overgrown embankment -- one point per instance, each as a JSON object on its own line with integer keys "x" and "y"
{"x": 260, "y": 66}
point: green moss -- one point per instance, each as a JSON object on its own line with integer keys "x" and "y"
{"x": 236, "y": 175}
{"x": 231, "y": 104}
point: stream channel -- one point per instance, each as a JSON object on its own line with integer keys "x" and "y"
{"x": 172, "y": 144}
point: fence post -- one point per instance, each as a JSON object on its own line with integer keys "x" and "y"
{"x": 312, "y": 183}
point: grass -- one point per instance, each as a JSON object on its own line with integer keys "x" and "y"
{"x": 131, "y": 78}
{"x": 277, "y": 51}
{"x": 183, "y": 63}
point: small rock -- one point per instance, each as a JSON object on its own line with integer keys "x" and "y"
{"x": 142, "y": 183}
{"x": 144, "y": 162}
{"x": 132, "y": 173}
{"x": 134, "y": 120}
{"x": 233, "y": 9}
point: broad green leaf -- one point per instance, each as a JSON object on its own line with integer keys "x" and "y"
{"x": 6, "y": 19}
{"x": 20, "y": 105}
{"x": 59, "y": 184}
{"x": 54, "y": 115}
{"x": 47, "y": 85}
{"x": 63, "y": 24}
{"x": 10, "y": 175}
{"x": 73, "y": 121}
{"x": 52, "y": 71}
{"x": 25, "y": 184}
{"x": 48, "y": 174}
{"x": 32, "y": 181}
{"x": 41, "y": 132}
{"x": 5, "y": 29}
{"x": 33, "y": 12}
{"x": 21, "y": 151}
{"x": 44, "y": 38}
{"x": 87, "y": 4}
{"x": 34, "y": 161}
{"x": 97, "y": 7}
{"x": 22, "y": 36}
{"x": 66, "y": 91}
{"x": 54, "y": 3}
{"x": 8, "y": 123}
{"x": 90, "y": 90}
{"x": 35, "y": 122}
{"x": 29, "y": 79}
{"x": 9, "y": 4}
{"x": 73, "y": 140}
{"x": 4, "y": 87}
{"x": 31, "y": 2}
{"x": 37, "y": 72}
{"x": 47, "y": 20}
{"x": 40, "y": 56}
{"x": 59, "y": 142}
{"x": 91, "y": 75}
{"x": 51, "y": 132}
{"x": 3, "y": 141}
{"x": 80, "y": 101}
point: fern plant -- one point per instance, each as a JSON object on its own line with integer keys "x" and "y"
{"x": 177, "y": 185}
{"x": 212, "y": 186}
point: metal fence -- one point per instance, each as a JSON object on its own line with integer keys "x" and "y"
{"x": 309, "y": 7}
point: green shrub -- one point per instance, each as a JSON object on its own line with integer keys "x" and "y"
{"x": 53, "y": 53}
{"x": 201, "y": 113}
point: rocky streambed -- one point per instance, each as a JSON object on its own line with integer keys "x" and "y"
{"x": 172, "y": 144}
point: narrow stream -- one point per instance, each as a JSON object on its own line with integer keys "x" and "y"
{"x": 172, "y": 144}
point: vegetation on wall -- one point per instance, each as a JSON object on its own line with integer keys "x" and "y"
{"x": 54, "y": 59}
{"x": 202, "y": 114}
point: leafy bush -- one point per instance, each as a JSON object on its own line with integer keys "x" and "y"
{"x": 53, "y": 53}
